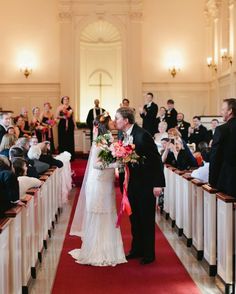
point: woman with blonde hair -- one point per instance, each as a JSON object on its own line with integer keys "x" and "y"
{"x": 162, "y": 127}
{"x": 8, "y": 140}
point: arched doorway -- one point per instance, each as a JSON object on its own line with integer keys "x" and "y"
{"x": 100, "y": 67}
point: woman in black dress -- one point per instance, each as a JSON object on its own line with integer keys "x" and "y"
{"x": 66, "y": 127}
{"x": 48, "y": 121}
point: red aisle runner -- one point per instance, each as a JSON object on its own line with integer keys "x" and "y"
{"x": 166, "y": 275}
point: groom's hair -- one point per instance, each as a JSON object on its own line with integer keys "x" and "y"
{"x": 127, "y": 112}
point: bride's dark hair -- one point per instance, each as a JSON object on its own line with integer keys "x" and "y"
{"x": 102, "y": 123}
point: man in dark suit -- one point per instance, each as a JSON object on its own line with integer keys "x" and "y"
{"x": 148, "y": 113}
{"x": 146, "y": 181}
{"x": 211, "y": 132}
{"x": 222, "y": 172}
{"x": 5, "y": 121}
{"x": 182, "y": 126}
{"x": 92, "y": 114}
{"x": 171, "y": 114}
{"x": 197, "y": 133}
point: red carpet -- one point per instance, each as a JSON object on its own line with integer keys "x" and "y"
{"x": 78, "y": 167}
{"x": 165, "y": 275}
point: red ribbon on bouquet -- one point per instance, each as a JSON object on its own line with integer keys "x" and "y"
{"x": 125, "y": 205}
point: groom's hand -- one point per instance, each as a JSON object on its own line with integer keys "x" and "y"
{"x": 157, "y": 191}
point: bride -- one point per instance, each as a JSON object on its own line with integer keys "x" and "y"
{"x": 95, "y": 216}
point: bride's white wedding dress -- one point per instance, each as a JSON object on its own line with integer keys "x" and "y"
{"x": 95, "y": 217}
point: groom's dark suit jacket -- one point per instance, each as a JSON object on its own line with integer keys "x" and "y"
{"x": 143, "y": 178}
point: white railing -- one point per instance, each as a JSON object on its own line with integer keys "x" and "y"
{"x": 207, "y": 219}
{"x": 25, "y": 230}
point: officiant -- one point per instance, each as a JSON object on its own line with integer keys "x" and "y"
{"x": 92, "y": 114}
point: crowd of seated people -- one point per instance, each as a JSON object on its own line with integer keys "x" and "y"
{"x": 20, "y": 170}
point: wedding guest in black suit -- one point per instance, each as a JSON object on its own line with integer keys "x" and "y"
{"x": 222, "y": 174}
{"x": 171, "y": 114}
{"x": 146, "y": 181}
{"x": 197, "y": 133}
{"x": 5, "y": 120}
{"x": 182, "y": 126}
{"x": 148, "y": 113}
{"x": 211, "y": 132}
{"x": 92, "y": 114}
{"x": 161, "y": 117}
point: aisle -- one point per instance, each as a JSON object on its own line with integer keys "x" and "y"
{"x": 166, "y": 275}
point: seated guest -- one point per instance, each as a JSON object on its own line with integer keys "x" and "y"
{"x": 176, "y": 155}
{"x": 171, "y": 114}
{"x": 202, "y": 147}
{"x": 20, "y": 168}
{"x": 9, "y": 187}
{"x": 33, "y": 141}
{"x": 7, "y": 141}
{"x": 46, "y": 155}
{"x": 34, "y": 154}
{"x": 5, "y": 120}
{"x": 18, "y": 152}
{"x": 11, "y": 130}
{"x": 162, "y": 134}
{"x": 182, "y": 126}
{"x": 202, "y": 173}
{"x": 23, "y": 143}
{"x": 211, "y": 132}
{"x": 164, "y": 145}
{"x": 197, "y": 133}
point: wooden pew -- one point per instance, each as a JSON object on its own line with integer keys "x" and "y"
{"x": 179, "y": 201}
{"x": 187, "y": 208}
{"x": 15, "y": 247}
{"x": 27, "y": 235}
{"x": 225, "y": 240}
{"x": 172, "y": 196}
{"x": 166, "y": 191}
{"x": 210, "y": 204}
{"x": 24, "y": 232}
{"x": 5, "y": 255}
{"x": 37, "y": 242}
{"x": 197, "y": 218}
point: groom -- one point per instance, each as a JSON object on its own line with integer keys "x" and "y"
{"x": 146, "y": 181}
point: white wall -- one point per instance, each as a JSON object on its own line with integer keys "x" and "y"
{"x": 173, "y": 28}
{"x": 29, "y": 26}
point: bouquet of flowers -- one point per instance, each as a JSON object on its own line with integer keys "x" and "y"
{"x": 51, "y": 122}
{"x": 124, "y": 153}
{"x": 105, "y": 155}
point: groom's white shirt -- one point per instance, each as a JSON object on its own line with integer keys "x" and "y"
{"x": 128, "y": 139}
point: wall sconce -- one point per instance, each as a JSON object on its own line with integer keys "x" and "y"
{"x": 225, "y": 56}
{"x": 27, "y": 71}
{"x": 211, "y": 64}
{"x": 173, "y": 71}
